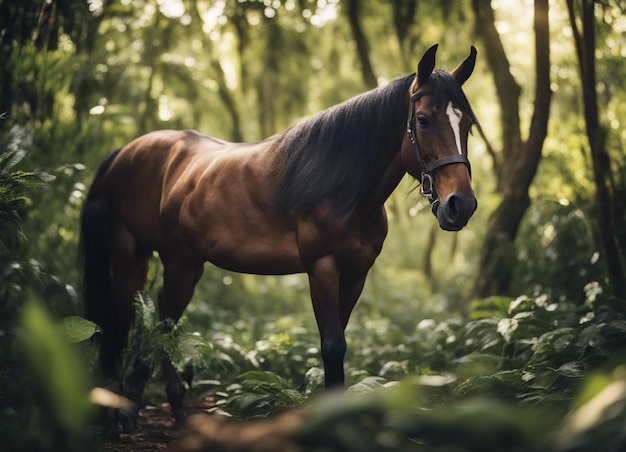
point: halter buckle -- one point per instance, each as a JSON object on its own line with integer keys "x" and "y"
{"x": 427, "y": 184}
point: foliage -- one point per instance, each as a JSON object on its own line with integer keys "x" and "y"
{"x": 44, "y": 392}
{"x": 597, "y": 417}
{"x": 84, "y": 79}
{"x": 76, "y": 329}
{"x": 529, "y": 349}
{"x": 13, "y": 183}
{"x": 62, "y": 410}
{"x": 393, "y": 419}
{"x": 151, "y": 342}
{"x": 260, "y": 394}
{"x": 503, "y": 378}
{"x": 557, "y": 240}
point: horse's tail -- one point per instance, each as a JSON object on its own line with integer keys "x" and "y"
{"x": 95, "y": 269}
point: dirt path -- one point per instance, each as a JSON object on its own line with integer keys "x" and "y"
{"x": 155, "y": 427}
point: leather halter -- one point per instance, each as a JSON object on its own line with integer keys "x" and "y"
{"x": 426, "y": 181}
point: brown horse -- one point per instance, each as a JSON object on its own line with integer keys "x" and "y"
{"x": 309, "y": 199}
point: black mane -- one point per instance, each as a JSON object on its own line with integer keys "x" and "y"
{"x": 331, "y": 154}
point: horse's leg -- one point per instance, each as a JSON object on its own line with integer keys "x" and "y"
{"x": 349, "y": 292}
{"x": 324, "y": 284}
{"x": 179, "y": 281}
{"x": 129, "y": 267}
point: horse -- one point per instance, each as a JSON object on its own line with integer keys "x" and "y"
{"x": 308, "y": 200}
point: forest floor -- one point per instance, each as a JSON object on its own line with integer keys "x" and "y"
{"x": 155, "y": 427}
{"x": 203, "y": 431}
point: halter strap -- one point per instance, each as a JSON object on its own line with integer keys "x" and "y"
{"x": 428, "y": 169}
{"x": 447, "y": 160}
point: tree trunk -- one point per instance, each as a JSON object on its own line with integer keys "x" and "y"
{"x": 268, "y": 85}
{"x": 403, "y": 12}
{"x": 362, "y": 47}
{"x": 596, "y": 135}
{"x": 519, "y": 160}
{"x": 224, "y": 93}
{"x": 507, "y": 89}
{"x": 229, "y": 102}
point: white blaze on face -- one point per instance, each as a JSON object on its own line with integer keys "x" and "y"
{"x": 455, "y": 115}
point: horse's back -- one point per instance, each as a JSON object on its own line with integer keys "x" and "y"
{"x": 183, "y": 193}
{"x": 157, "y": 154}
{"x": 143, "y": 174}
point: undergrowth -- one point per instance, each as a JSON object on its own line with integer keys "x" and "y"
{"x": 516, "y": 365}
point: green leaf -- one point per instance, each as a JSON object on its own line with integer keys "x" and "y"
{"x": 145, "y": 310}
{"x": 368, "y": 384}
{"x": 246, "y": 401}
{"x": 490, "y": 307}
{"x": 78, "y": 329}
{"x": 506, "y": 327}
{"x": 196, "y": 348}
{"x": 57, "y": 374}
{"x": 572, "y": 369}
{"x": 10, "y": 159}
{"x": 314, "y": 379}
{"x": 260, "y": 378}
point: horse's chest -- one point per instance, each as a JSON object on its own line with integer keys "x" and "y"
{"x": 360, "y": 248}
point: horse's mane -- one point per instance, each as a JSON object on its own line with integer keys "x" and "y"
{"x": 331, "y": 154}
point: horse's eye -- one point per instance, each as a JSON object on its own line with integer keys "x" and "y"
{"x": 423, "y": 121}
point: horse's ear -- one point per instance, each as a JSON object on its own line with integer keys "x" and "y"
{"x": 426, "y": 65}
{"x": 465, "y": 69}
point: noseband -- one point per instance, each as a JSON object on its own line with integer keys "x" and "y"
{"x": 426, "y": 181}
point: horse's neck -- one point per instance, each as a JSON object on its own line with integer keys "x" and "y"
{"x": 389, "y": 170}
{"x": 384, "y": 182}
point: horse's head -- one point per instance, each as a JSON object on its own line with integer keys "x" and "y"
{"x": 435, "y": 149}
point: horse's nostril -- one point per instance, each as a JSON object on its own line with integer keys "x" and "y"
{"x": 451, "y": 207}
{"x": 456, "y": 211}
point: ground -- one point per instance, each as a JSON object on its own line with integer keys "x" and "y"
{"x": 155, "y": 427}
{"x": 209, "y": 432}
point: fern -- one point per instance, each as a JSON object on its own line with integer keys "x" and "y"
{"x": 260, "y": 394}
{"x": 151, "y": 342}
{"x": 13, "y": 185}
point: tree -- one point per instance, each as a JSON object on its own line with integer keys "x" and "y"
{"x": 583, "y": 12}
{"x": 520, "y": 159}
{"x": 30, "y": 31}
{"x": 362, "y": 46}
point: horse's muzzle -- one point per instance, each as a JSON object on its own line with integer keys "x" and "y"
{"x": 455, "y": 211}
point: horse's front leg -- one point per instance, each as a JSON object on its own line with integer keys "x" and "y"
{"x": 324, "y": 284}
{"x": 350, "y": 288}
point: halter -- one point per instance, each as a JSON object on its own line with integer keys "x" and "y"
{"x": 426, "y": 181}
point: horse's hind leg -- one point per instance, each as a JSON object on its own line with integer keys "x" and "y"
{"x": 129, "y": 268}
{"x": 179, "y": 281}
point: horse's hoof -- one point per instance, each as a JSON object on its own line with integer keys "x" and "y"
{"x": 179, "y": 419}
{"x": 111, "y": 433}
{"x": 128, "y": 422}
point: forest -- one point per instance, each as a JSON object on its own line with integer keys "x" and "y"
{"x": 507, "y": 335}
